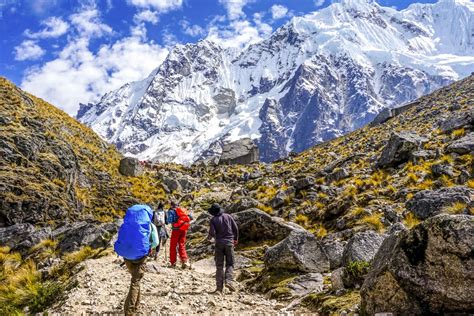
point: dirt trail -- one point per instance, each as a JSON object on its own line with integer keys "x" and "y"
{"x": 103, "y": 286}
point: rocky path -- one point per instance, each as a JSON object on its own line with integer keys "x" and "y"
{"x": 103, "y": 286}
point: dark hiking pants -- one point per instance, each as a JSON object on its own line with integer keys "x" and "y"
{"x": 224, "y": 253}
{"x": 137, "y": 270}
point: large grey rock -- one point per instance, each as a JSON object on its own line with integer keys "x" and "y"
{"x": 172, "y": 184}
{"x": 428, "y": 270}
{"x": 457, "y": 121}
{"x": 299, "y": 251}
{"x": 257, "y": 226}
{"x": 337, "y": 174}
{"x": 303, "y": 183}
{"x": 130, "y": 167}
{"x": 428, "y": 203}
{"x": 334, "y": 249}
{"x": 76, "y": 235}
{"x": 243, "y": 151}
{"x": 306, "y": 283}
{"x": 243, "y": 204}
{"x": 21, "y": 237}
{"x": 362, "y": 247}
{"x": 462, "y": 146}
{"x": 399, "y": 148}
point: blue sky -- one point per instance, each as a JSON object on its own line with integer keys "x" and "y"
{"x": 72, "y": 51}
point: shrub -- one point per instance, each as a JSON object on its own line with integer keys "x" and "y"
{"x": 411, "y": 220}
{"x": 302, "y": 220}
{"x": 455, "y": 208}
{"x": 458, "y": 133}
{"x": 321, "y": 231}
{"x": 373, "y": 221}
{"x": 358, "y": 269}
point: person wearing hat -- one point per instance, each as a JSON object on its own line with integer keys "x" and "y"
{"x": 224, "y": 231}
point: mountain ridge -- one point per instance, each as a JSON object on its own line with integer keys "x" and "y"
{"x": 315, "y": 78}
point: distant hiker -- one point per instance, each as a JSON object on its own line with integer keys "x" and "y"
{"x": 137, "y": 238}
{"x": 160, "y": 220}
{"x": 225, "y": 232}
{"x": 180, "y": 219}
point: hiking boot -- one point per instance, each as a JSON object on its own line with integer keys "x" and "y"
{"x": 172, "y": 265}
{"x": 230, "y": 287}
{"x": 185, "y": 265}
{"x": 217, "y": 292}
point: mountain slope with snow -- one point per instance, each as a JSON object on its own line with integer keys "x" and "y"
{"x": 315, "y": 78}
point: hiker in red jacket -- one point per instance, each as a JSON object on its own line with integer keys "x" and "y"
{"x": 180, "y": 220}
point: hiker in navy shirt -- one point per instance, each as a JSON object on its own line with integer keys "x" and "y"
{"x": 225, "y": 232}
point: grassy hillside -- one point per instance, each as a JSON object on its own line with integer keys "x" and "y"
{"x": 53, "y": 168}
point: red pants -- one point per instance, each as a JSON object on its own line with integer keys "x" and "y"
{"x": 178, "y": 240}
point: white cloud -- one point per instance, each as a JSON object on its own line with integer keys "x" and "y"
{"x": 278, "y": 11}
{"x": 239, "y": 34}
{"x": 41, "y": 7}
{"x": 234, "y": 7}
{"x": 146, "y": 16}
{"x": 53, "y": 27}
{"x": 28, "y": 50}
{"x": 88, "y": 23}
{"x": 318, "y": 3}
{"x": 191, "y": 30}
{"x": 159, "y": 5}
{"x": 81, "y": 75}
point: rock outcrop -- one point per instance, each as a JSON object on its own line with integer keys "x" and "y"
{"x": 462, "y": 146}
{"x": 130, "y": 167}
{"x": 426, "y": 270}
{"x": 362, "y": 247}
{"x": 428, "y": 203}
{"x": 399, "y": 149}
{"x": 243, "y": 151}
{"x": 299, "y": 251}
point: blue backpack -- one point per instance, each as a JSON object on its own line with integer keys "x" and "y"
{"x": 133, "y": 240}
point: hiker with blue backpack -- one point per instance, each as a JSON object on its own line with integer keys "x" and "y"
{"x": 137, "y": 239}
{"x": 180, "y": 219}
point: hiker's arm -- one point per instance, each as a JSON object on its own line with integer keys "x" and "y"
{"x": 212, "y": 231}
{"x": 155, "y": 240}
{"x": 235, "y": 229}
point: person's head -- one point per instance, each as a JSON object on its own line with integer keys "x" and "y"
{"x": 215, "y": 209}
{"x": 173, "y": 204}
{"x": 159, "y": 205}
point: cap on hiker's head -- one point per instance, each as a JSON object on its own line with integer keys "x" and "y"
{"x": 214, "y": 209}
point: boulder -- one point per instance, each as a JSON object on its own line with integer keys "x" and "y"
{"x": 303, "y": 183}
{"x": 306, "y": 283}
{"x": 440, "y": 169}
{"x": 382, "y": 117}
{"x": 172, "y": 184}
{"x": 281, "y": 197}
{"x": 21, "y": 237}
{"x": 130, "y": 167}
{"x": 79, "y": 234}
{"x": 457, "y": 121}
{"x": 243, "y": 151}
{"x": 428, "y": 270}
{"x": 299, "y": 251}
{"x": 463, "y": 145}
{"x": 362, "y": 247}
{"x": 337, "y": 174}
{"x": 257, "y": 226}
{"x": 428, "y": 203}
{"x": 242, "y": 204}
{"x": 337, "y": 279}
{"x": 334, "y": 250}
{"x": 399, "y": 148}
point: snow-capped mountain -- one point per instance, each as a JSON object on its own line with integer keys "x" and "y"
{"x": 315, "y": 78}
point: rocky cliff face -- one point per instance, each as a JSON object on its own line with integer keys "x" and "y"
{"x": 318, "y": 77}
{"x": 53, "y": 168}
